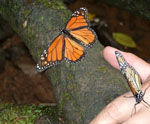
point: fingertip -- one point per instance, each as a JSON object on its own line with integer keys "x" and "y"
{"x": 142, "y": 67}
{"x": 109, "y": 56}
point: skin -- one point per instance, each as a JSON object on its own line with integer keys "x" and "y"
{"x": 119, "y": 111}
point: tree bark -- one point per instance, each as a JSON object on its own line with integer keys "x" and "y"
{"x": 81, "y": 89}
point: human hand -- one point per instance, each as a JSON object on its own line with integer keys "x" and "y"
{"x": 120, "y": 110}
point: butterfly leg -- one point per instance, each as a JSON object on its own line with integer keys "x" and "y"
{"x": 128, "y": 96}
{"x": 143, "y": 98}
{"x": 134, "y": 108}
{"x": 145, "y": 103}
{"x": 146, "y": 89}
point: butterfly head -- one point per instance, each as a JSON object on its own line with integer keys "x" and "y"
{"x": 121, "y": 61}
{"x": 120, "y": 58}
{"x": 139, "y": 97}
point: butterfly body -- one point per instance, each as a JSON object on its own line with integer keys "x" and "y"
{"x": 139, "y": 96}
{"x": 71, "y": 43}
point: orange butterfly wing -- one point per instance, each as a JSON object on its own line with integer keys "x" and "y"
{"x": 85, "y": 36}
{"x": 71, "y": 44}
{"x": 53, "y": 55}
{"x": 78, "y": 19}
{"x": 73, "y": 50}
{"x": 78, "y": 27}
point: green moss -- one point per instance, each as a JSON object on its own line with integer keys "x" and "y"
{"x": 89, "y": 73}
{"x": 9, "y": 4}
{"x": 42, "y": 19}
{"x": 14, "y": 6}
{"x": 102, "y": 68}
{"x": 23, "y": 114}
{"x": 73, "y": 67}
{"x": 55, "y": 75}
{"x": 70, "y": 86}
{"x": 66, "y": 15}
{"x": 63, "y": 99}
{"x": 27, "y": 12}
{"x": 30, "y": 33}
{"x": 107, "y": 99}
{"x": 66, "y": 96}
{"x": 70, "y": 77}
{"x": 39, "y": 52}
{"x": 2, "y": 9}
{"x": 67, "y": 65}
{"x": 55, "y": 4}
{"x": 71, "y": 82}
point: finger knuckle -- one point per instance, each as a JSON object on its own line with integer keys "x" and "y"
{"x": 111, "y": 111}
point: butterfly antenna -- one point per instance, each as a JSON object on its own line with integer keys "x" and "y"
{"x": 148, "y": 105}
{"x": 144, "y": 100}
{"x": 134, "y": 108}
{"x": 145, "y": 90}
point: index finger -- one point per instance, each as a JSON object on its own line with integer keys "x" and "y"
{"x": 142, "y": 67}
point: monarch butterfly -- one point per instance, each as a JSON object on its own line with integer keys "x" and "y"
{"x": 71, "y": 43}
{"x": 132, "y": 78}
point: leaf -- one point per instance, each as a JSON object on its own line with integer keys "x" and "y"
{"x": 124, "y": 40}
